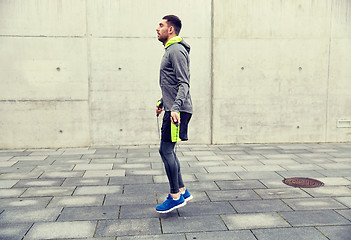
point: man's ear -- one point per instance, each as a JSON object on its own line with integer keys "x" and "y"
{"x": 170, "y": 29}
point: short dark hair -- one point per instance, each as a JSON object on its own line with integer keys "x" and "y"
{"x": 175, "y": 22}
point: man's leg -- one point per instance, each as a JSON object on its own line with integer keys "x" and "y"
{"x": 172, "y": 167}
{"x": 174, "y": 199}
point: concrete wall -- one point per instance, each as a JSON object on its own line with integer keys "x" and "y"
{"x": 85, "y": 72}
{"x": 281, "y": 70}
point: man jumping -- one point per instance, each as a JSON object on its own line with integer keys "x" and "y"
{"x": 176, "y": 101}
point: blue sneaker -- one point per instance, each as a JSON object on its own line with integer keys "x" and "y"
{"x": 170, "y": 204}
{"x": 187, "y": 196}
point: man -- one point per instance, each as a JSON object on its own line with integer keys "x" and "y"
{"x": 176, "y": 101}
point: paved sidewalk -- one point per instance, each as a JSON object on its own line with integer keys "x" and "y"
{"x": 111, "y": 193}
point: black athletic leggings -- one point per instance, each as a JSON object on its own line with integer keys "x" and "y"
{"x": 172, "y": 166}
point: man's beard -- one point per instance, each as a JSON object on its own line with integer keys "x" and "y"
{"x": 162, "y": 39}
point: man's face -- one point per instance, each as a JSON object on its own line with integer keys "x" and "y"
{"x": 162, "y": 31}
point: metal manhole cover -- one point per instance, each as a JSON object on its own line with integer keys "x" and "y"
{"x": 303, "y": 182}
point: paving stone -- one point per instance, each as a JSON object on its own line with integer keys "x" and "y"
{"x": 7, "y": 183}
{"x": 55, "y": 168}
{"x": 185, "y": 158}
{"x": 19, "y": 203}
{"x": 192, "y": 224}
{"x": 331, "y": 166}
{"x": 145, "y": 172}
{"x": 279, "y": 156}
{"x": 225, "y": 169}
{"x": 260, "y": 168}
{"x": 233, "y": 235}
{"x": 77, "y": 151}
{"x": 7, "y": 164}
{"x": 345, "y": 201}
{"x": 216, "y": 176}
{"x": 130, "y": 180}
{"x": 246, "y": 162}
{"x": 131, "y": 198}
{"x": 254, "y": 221}
{"x": 336, "y": 173}
{"x": 313, "y": 204}
{"x": 186, "y": 178}
{"x": 346, "y": 213}
{"x": 134, "y": 155}
{"x": 119, "y": 160}
{"x": 336, "y": 232}
{"x": 313, "y": 160}
{"x": 246, "y": 157}
{"x": 258, "y": 175}
{"x": 62, "y": 174}
{"x": 12, "y": 231}
{"x": 198, "y": 153}
{"x": 242, "y": 184}
{"x": 77, "y": 201}
{"x": 39, "y": 183}
{"x": 135, "y": 188}
{"x": 5, "y": 158}
{"x": 192, "y": 170}
{"x": 154, "y": 237}
{"x": 282, "y": 193}
{"x": 103, "y": 173}
{"x": 30, "y": 215}
{"x": 225, "y": 195}
{"x": 300, "y": 173}
{"x": 27, "y": 175}
{"x": 46, "y": 152}
{"x": 258, "y": 206}
{"x": 132, "y": 160}
{"x": 125, "y": 227}
{"x": 48, "y": 191}
{"x": 70, "y": 161}
{"x": 139, "y": 211}
{"x": 99, "y": 156}
{"x": 132, "y": 166}
{"x": 329, "y": 191}
{"x": 213, "y": 158}
{"x": 211, "y": 208}
{"x": 334, "y": 181}
{"x": 57, "y": 230}
{"x": 14, "y": 170}
{"x": 159, "y": 165}
{"x": 274, "y": 183}
{"x": 314, "y": 218}
{"x": 309, "y": 233}
{"x": 97, "y": 190}
{"x": 303, "y": 167}
{"x": 29, "y": 158}
{"x": 89, "y": 213}
{"x": 85, "y": 182}
{"x": 106, "y": 166}
{"x": 207, "y": 163}
{"x": 201, "y": 186}
{"x": 8, "y": 193}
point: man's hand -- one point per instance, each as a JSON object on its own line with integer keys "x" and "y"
{"x": 175, "y": 117}
{"x": 158, "y": 111}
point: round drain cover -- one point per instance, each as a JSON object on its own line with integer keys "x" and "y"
{"x": 303, "y": 182}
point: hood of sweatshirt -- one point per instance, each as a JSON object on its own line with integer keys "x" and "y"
{"x": 179, "y": 40}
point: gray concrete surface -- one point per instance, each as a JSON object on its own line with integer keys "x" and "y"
{"x": 111, "y": 193}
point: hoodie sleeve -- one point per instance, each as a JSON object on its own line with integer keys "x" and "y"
{"x": 180, "y": 62}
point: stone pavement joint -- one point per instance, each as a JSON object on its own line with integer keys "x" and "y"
{"x": 110, "y": 192}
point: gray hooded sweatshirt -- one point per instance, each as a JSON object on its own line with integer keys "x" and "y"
{"x": 175, "y": 77}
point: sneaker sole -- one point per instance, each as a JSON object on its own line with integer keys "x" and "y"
{"x": 175, "y": 207}
{"x": 189, "y": 198}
